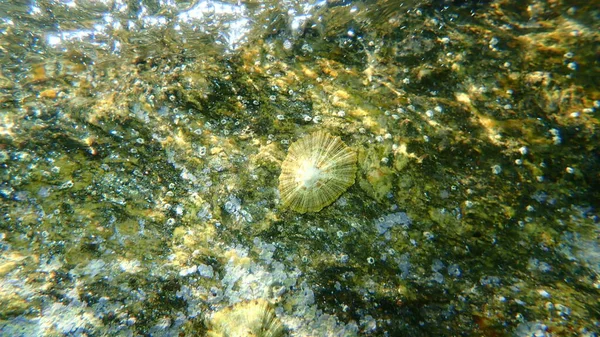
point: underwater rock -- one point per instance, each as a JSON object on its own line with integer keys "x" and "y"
{"x": 375, "y": 178}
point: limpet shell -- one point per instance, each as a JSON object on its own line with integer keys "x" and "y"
{"x": 317, "y": 170}
{"x": 253, "y": 318}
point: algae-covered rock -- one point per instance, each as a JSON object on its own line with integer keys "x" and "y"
{"x": 375, "y": 178}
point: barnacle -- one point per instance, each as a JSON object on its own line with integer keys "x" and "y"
{"x": 253, "y": 318}
{"x": 317, "y": 170}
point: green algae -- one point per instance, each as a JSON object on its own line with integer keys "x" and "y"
{"x": 154, "y": 150}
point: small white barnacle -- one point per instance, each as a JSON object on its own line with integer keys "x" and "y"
{"x": 317, "y": 170}
{"x": 251, "y": 318}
